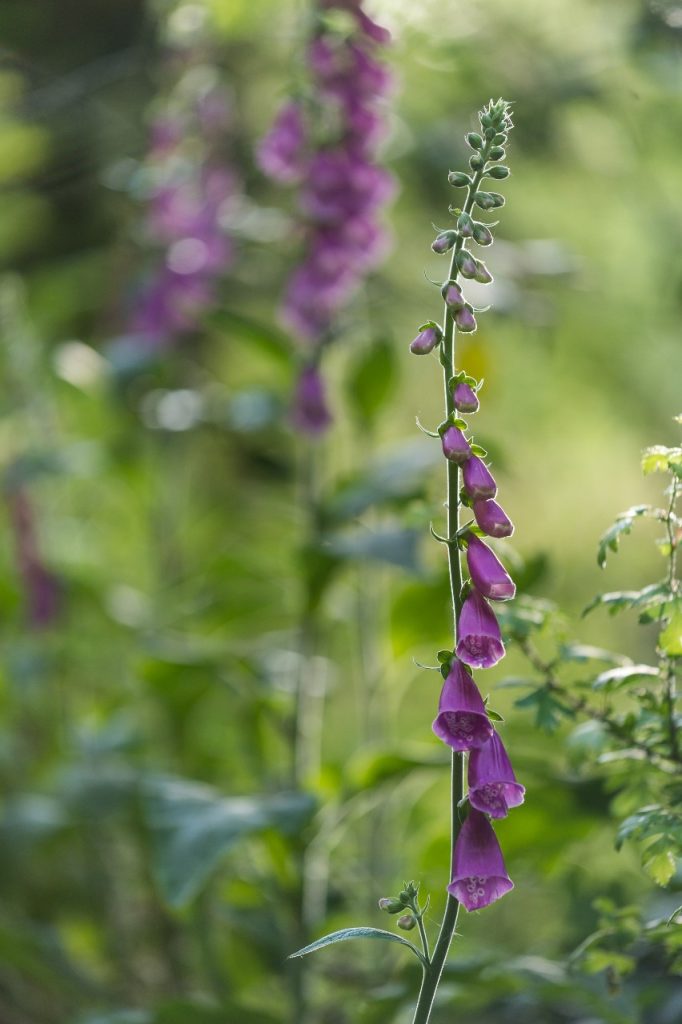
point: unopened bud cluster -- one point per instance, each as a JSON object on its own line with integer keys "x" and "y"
{"x": 488, "y": 151}
{"x": 406, "y": 903}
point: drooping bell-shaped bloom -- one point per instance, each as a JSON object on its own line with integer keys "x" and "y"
{"x": 310, "y": 412}
{"x": 478, "y": 480}
{"x": 426, "y": 341}
{"x": 465, "y": 398}
{"x": 455, "y": 445}
{"x": 462, "y": 721}
{"x": 452, "y": 294}
{"x": 479, "y": 875}
{"x": 493, "y": 788}
{"x": 465, "y": 320}
{"x": 492, "y": 519}
{"x": 488, "y": 574}
{"x": 480, "y": 642}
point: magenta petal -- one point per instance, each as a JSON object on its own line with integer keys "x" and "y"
{"x": 479, "y": 875}
{"x": 478, "y": 480}
{"x": 465, "y": 398}
{"x": 492, "y": 784}
{"x": 487, "y": 572}
{"x": 455, "y": 445}
{"x": 492, "y": 519}
{"x": 462, "y": 721}
{"x": 480, "y": 642}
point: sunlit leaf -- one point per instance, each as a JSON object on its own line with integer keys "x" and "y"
{"x": 347, "y": 934}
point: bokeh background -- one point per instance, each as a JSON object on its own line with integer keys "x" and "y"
{"x": 153, "y": 540}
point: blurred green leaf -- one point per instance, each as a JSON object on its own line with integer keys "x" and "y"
{"x": 670, "y": 639}
{"x": 372, "y": 379}
{"x": 396, "y": 546}
{"x": 548, "y": 709}
{"x": 614, "y": 678}
{"x": 193, "y": 826}
{"x": 623, "y": 524}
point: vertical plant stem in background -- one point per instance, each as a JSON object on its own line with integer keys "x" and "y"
{"x": 670, "y": 663}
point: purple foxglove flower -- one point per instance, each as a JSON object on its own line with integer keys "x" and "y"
{"x": 466, "y": 263}
{"x": 310, "y": 413}
{"x": 465, "y": 320}
{"x": 462, "y": 721}
{"x": 492, "y": 519}
{"x": 465, "y": 398}
{"x": 478, "y": 480}
{"x": 480, "y": 642}
{"x": 479, "y": 876}
{"x": 426, "y": 341}
{"x": 455, "y": 445}
{"x": 493, "y": 788}
{"x": 488, "y": 574}
{"x": 281, "y": 152}
{"x": 452, "y": 295}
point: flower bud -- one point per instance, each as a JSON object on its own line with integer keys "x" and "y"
{"x": 488, "y": 575}
{"x": 391, "y": 905}
{"x": 444, "y": 241}
{"x": 499, "y": 172}
{"x": 482, "y": 234}
{"x": 466, "y": 263}
{"x": 465, "y": 225}
{"x": 484, "y": 200}
{"x": 458, "y": 179}
{"x": 426, "y": 340}
{"x": 497, "y": 153}
{"x": 500, "y": 139}
{"x": 478, "y": 480}
{"x": 482, "y": 275}
{"x": 407, "y": 922}
{"x": 455, "y": 445}
{"x": 465, "y": 398}
{"x": 474, "y": 140}
{"x": 498, "y": 199}
{"x": 476, "y": 162}
{"x": 452, "y": 295}
{"x": 465, "y": 320}
{"x": 492, "y": 519}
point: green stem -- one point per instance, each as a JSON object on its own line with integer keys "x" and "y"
{"x": 670, "y": 671}
{"x": 434, "y": 969}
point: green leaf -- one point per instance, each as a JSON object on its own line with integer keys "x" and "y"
{"x": 548, "y": 710}
{"x": 614, "y": 678}
{"x": 264, "y": 336}
{"x": 670, "y": 639}
{"x": 356, "y": 933}
{"x": 614, "y": 601}
{"x": 368, "y": 769}
{"x": 586, "y": 652}
{"x": 623, "y": 524}
{"x": 372, "y": 380}
{"x": 396, "y": 477}
{"x": 659, "y": 458}
{"x": 395, "y": 546}
{"x": 193, "y": 826}
{"x": 661, "y": 867}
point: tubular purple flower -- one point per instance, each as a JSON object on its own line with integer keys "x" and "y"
{"x": 310, "y": 413}
{"x": 492, "y": 519}
{"x": 462, "y": 721}
{"x": 426, "y": 341}
{"x": 493, "y": 788}
{"x": 465, "y": 398}
{"x": 479, "y": 875}
{"x": 281, "y": 153}
{"x": 455, "y": 445}
{"x": 488, "y": 574}
{"x": 465, "y": 320}
{"x": 452, "y": 295}
{"x": 478, "y": 480}
{"x": 466, "y": 263}
{"x": 479, "y": 639}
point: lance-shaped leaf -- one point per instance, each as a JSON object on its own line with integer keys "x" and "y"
{"x": 356, "y": 933}
{"x": 623, "y": 524}
{"x": 193, "y": 826}
{"x": 614, "y": 678}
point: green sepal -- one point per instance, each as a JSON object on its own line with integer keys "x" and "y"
{"x": 464, "y": 498}
{"x": 445, "y": 656}
{"x": 493, "y": 715}
{"x": 435, "y": 326}
{"x": 479, "y": 451}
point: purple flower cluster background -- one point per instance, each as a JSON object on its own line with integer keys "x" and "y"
{"x": 325, "y": 143}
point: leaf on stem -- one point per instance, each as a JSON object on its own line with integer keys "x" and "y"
{"x": 356, "y": 933}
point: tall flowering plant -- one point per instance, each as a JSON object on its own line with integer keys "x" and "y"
{"x": 478, "y": 875}
{"x": 325, "y": 142}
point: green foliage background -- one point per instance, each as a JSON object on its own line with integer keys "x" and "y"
{"x": 151, "y": 841}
